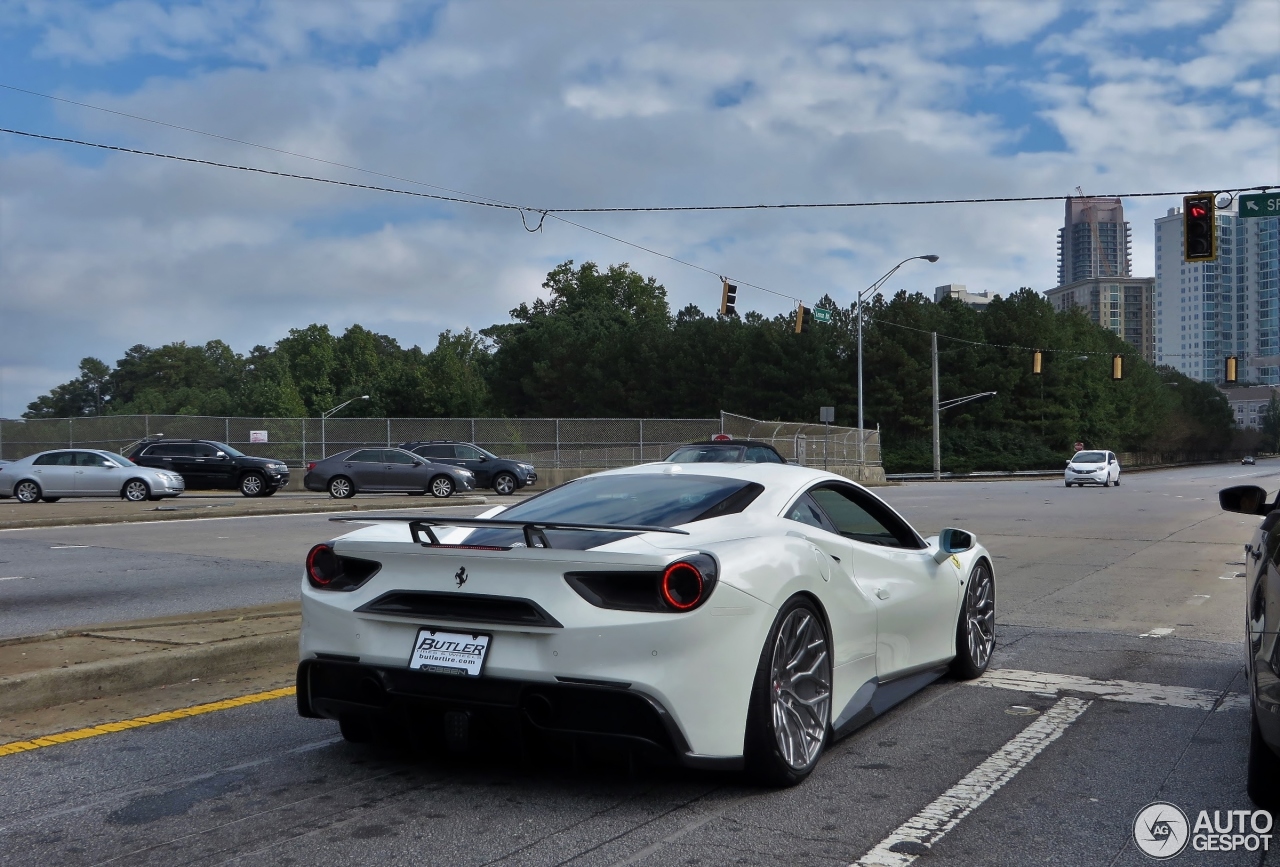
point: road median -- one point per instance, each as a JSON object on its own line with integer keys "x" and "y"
{"x": 73, "y": 514}
{"x": 73, "y": 665}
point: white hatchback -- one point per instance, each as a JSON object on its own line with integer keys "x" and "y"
{"x": 1093, "y": 468}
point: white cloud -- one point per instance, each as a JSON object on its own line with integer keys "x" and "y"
{"x": 578, "y": 104}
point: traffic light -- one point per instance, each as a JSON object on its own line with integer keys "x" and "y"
{"x": 728, "y": 298}
{"x": 804, "y": 319}
{"x": 1036, "y": 361}
{"x": 1117, "y": 367}
{"x": 1230, "y": 375}
{"x": 1199, "y": 236}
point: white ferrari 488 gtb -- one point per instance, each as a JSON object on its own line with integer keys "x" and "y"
{"x": 727, "y": 615}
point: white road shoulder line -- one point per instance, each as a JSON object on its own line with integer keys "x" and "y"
{"x": 1111, "y": 690}
{"x": 918, "y": 834}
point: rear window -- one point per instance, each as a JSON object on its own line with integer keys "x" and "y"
{"x": 706, "y": 455}
{"x": 435, "y": 451}
{"x": 1090, "y": 458}
{"x": 654, "y": 500}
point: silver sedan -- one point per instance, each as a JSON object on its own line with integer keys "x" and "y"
{"x": 52, "y": 475}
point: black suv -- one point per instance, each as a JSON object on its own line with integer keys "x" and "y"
{"x": 503, "y": 475}
{"x": 211, "y": 464}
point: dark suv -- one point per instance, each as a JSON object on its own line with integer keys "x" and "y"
{"x": 211, "y": 464}
{"x": 503, "y": 475}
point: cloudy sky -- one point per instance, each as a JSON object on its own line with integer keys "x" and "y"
{"x": 579, "y": 104}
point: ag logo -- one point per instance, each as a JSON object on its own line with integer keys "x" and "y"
{"x": 460, "y": 576}
{"x": 1161, "y": 830}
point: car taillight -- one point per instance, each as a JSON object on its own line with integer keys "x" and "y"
{"x": 311, "y": 465}
{"x": 328, "y": 571}
{"x": 681, "y": 586}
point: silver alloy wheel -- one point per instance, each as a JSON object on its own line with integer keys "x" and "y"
{"x": 27, "y": 492}
{"x": 504, "y": 484}
{"x": 251, "y": 485}
{"x": 136, "y": 491}
{"x": 980, "y": 615}
{"x": 441, "y": 486}
{"x": 800, "y": 688}
{"x": 340, "y": 488}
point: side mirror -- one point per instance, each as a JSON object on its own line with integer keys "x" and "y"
{"x": 221, "y": 454}
{"x": 417, "y": 463}
{"x": 1245, "y": 499}
{"x": 952, "y": 541}
{"x": 1068, "y": 462}
{"x": 483, "y": 459}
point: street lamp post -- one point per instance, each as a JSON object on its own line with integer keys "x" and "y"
{"x": 328, "y": 412}
{"x": 871, "y": 290}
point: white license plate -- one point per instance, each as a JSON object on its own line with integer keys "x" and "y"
{"x": 443, "y": 652}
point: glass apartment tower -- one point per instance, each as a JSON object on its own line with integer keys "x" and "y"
{"x": 1207, "y": 311}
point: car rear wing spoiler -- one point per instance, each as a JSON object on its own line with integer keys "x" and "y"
{"x": 535, "y": 535}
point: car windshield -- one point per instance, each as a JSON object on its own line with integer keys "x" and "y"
{"x": 706, "y": 455}
{"x": 223, "y": 447}
{"x": 1089, "y": 458}
{"x": 657, "y": 500}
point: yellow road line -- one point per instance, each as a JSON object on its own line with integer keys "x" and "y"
{"x": 138, "y": 722}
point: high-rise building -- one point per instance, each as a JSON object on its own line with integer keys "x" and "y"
{"x": 1123, "y": 305}
{"x": 1206, "y": 311}
{"x": 1093, "y": 241}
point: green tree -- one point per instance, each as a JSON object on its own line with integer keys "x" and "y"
{"x": 88, "y": 394}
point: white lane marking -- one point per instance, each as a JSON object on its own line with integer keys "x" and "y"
{"x": 1198, "y": 599}
{"x": 1111, "y": 690}
{"x": 64, "y": 547}
{"x": 1226, "y": 577}
{"x": 920, "y": 833}
{"x": 1158, "y": 632}
{"x": 12, "y": 578}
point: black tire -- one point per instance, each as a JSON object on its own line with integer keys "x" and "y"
{"x": 253, "y": 484}
{"x": 27, "y": 491}
{"x": 441, "y": 487}
{"x": 356, "y": 729}
{"x": 1068, "y": 484}
{"x": 976, "y": 627}
{"x": 1117, "y": 481}
{"x": 341, "y": 488}
{"x": 798, "y": 625}
{"x": 50, "y": 499}
{"x": 1264, "y": 770}
{"x": 136, "y": 490}
{"x": 270, "y": 492}
{"x": 505, "y": 484}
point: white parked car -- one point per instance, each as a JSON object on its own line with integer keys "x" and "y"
{"x": 1093, "y": 468}
{"x": 728, "y": 615}
{"x": 52, "y": 475}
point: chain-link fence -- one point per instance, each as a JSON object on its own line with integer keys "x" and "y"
{"x": 596, "y": 443}
{"x": 813, "y": 445}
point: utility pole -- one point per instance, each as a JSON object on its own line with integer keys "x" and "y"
{"x": 937, "y": 442}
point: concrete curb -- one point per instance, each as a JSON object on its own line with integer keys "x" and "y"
{"x": 55, "y": 686}
{"x": 204, "y": 513}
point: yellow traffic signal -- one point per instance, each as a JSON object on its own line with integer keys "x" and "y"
{"x": 1036, "y": 360}
{"x": 804, "y": 319}
{"x": 1117, "y": 367}
{"x": 1231, "y": 376}
{"x": 728, "y": 298}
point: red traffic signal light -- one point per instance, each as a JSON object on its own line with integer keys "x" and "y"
{"x": 1199, "y": 233}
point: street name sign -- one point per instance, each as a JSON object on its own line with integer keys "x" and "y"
{"x": 1257, "y": 205}
{"x": 821, "y": 314}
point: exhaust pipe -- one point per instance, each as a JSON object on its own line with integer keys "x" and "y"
{"x": 540, "y": 709}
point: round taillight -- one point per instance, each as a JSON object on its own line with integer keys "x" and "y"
{"x": 682, "y": 586}
{"x": 322, "y": 566}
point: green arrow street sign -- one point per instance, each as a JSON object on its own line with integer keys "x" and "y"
{"x": 821, "y": 314}
{"x": 1259, "y": 205}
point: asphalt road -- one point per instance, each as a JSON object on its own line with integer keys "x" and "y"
{"x": 1136, "y": 584}
{"x": 64, "y": 577}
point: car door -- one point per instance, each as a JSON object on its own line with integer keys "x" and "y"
{"x": 96, "y": 476}
{"x": 210, "y": 470}
{"x": 471, "y": 458}
{"x": 401, "y": 472}
{"x": 916, "y": 597}
{"x": 1113, "y": 467}
{"x": 366, "y": 469}
{"x": 55, "y": 473}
